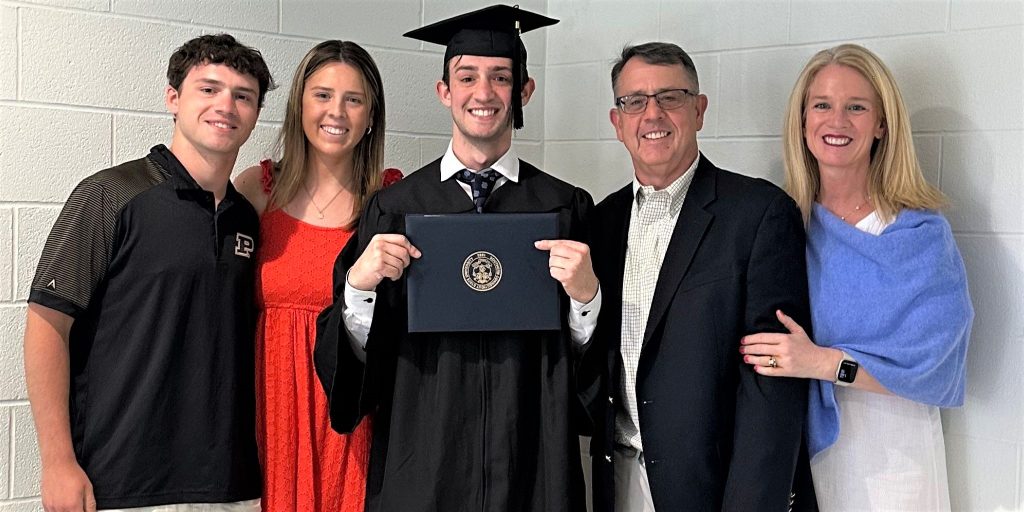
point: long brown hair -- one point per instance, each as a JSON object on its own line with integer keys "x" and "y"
{"x": 895, "y": 180}
{"x": 368, "y": 155}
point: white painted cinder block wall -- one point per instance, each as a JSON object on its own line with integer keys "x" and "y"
{"x": 960, "y": 65}
{"x": 81, "y": 86}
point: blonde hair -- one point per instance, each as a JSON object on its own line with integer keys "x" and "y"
{"x": 895, "y": 180}
{"x": 368, "y": 155}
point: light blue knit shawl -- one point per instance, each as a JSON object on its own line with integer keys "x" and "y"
{"x": 896, "y": 302}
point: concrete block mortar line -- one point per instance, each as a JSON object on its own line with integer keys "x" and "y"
{"x": 16, "y": 3}
{"x": 236, "y": 31}
{"x": 14, "y": 252}
{"x": 17, "y": 72}
{"x": 14, "y": 256}
{"x": 31, "y": 500}
{"x": 949, "y": 16}
{"x": 789, "y": 24}
{"x": 1002, "y": 235}
{"x": 30, "y": 204}
{"x": 827, "y": 43}
{"x": 10, "y": 451}
{"x": 80, "y": 108}
{"x": 718, "y": 90}
{"x": 660, "y": 11}
{"x": 815, "y": 45}
{"x": 239, "y": 32}
{"x": 988, "y": 27}
{"x": 113, "y": 141}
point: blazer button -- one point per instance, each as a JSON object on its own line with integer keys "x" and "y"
{"x": 608, "y": 458}
{"x": 611, "y": 400}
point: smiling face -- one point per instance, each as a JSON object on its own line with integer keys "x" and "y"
{"x": 842, "y": 119}
{"x": 662, "y": 143}
{"x": 479, "y": 94}
{"x": 215, "y": 110}
{"x": 335, "y": 110}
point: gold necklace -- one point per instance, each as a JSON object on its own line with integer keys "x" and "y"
{"x": 855, "y": 210}
{"x": 319, "y": 210}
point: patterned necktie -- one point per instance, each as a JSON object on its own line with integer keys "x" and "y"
{"x": 481, "y": 183}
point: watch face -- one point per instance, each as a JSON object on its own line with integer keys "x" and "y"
{"x": 847, "y": 371}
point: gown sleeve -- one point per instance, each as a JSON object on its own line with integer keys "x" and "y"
{"x": 340, "y": 371}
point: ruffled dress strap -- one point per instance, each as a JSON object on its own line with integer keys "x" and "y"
{"x": 267, "y": 179}
{"x": 391, "y": 176}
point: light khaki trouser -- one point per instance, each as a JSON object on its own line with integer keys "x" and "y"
{"x": 632, "y": 489}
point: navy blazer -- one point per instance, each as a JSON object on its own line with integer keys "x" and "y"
{"x": 716, "y": 435}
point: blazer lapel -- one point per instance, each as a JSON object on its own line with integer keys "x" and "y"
{"x": 686, "y": 237}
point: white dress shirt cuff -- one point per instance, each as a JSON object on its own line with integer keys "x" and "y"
{"x": 357, "y": 313}
{"x": 583, "y": 318}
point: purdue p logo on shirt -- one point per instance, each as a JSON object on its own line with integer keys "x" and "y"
{"x": 244, "y": 245}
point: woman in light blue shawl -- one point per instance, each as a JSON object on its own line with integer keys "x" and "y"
{"x": 890, "y": 308}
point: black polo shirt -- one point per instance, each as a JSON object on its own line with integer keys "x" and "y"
{"x": 159, "y": 281}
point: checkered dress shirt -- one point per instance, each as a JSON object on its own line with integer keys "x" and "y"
{"x": 652, "y": 220}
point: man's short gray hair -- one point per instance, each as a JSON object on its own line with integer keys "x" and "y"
{"x": 656, "y": 53}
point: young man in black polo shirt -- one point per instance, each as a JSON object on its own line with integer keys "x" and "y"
{"x": 138, "y": 344}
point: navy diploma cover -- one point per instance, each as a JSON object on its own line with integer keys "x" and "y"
{"x": 481, "y": 272}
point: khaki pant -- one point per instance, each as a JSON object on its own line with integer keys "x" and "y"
{"x": 632, "y": 489}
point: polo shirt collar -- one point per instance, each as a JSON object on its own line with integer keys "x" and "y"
{"x": 179, "y": 176}
{"x": 176, "y": 172}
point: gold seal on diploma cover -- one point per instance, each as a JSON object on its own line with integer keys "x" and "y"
{"x": 481, "y": 271}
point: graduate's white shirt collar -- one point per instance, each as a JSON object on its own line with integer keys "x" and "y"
{"x": 507, "y": 165}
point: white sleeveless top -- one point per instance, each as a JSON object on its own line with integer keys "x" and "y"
{"x": 890, "y": 453}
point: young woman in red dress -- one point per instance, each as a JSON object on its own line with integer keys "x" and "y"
{"x": 332, "y": 154}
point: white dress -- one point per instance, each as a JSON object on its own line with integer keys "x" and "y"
{"x": 890, "y": 454}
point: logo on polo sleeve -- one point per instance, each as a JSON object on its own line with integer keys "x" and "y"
{"x": 244, "y": 245}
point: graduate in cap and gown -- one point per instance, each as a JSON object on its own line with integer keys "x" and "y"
{"x": 475, "y": 421}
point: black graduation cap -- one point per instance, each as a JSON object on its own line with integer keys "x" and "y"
{"x": 489, "y": 32}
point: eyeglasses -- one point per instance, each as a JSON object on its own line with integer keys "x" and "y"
{"x": 670, "y": 99}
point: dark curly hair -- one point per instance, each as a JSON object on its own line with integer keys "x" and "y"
{"x": 219, "y": 49}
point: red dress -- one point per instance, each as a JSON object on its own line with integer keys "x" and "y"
{"x": 306, "y": 465}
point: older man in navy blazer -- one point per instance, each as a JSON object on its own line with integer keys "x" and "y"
{"x": 690, "y": 258}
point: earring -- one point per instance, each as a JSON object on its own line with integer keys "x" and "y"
{"x": 369, "y": 130}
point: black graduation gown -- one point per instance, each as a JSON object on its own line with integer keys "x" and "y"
{"x": 462, "y": 421}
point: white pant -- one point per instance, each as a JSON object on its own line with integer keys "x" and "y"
{"x": 237, "y": 506}
{"x": 632, "y": 489}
